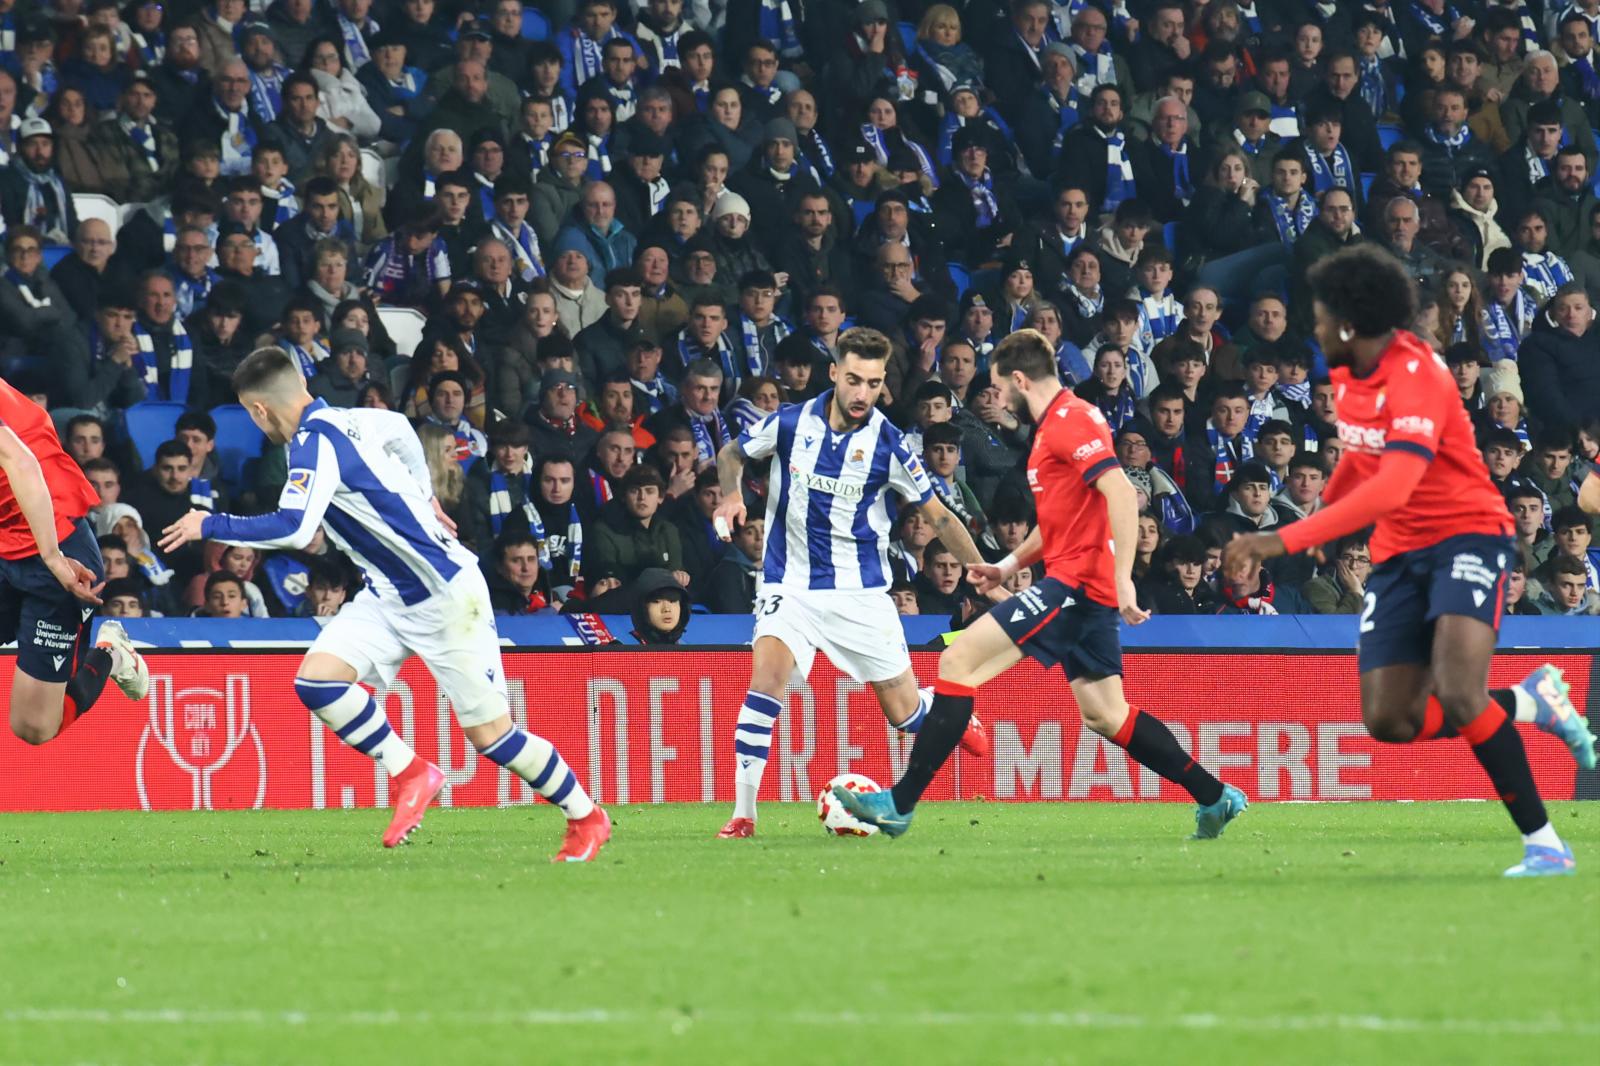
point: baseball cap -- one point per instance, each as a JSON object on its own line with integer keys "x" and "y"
{"x": 34, "y": 127}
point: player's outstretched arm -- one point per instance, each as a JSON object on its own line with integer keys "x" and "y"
{"x": 1122, "y": 509}
{"x": 951, "y": 531}
{"x": 22, "y": 470}
{"x": 313, "y": 480}
{"x": 986, "y": 577}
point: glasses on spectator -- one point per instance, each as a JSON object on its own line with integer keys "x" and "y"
{"x": 1355, "y": 559}
{"x": 24, "y": 249}
{"x": 898, "y": 268}
{"x": 764, "y": 64}
{"x": 1136, "y": 444}
{"x": 765, "y": 294}
{"x": 572, "y": 155}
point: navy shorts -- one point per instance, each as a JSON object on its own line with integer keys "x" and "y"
{"x": 49, "y": 624}
{"x": 1463, "y": 575}
{"x": 1056, "y": 623}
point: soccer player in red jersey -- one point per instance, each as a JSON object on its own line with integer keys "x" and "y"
{"x": 1442, "y": 547}
{"x": 1087, "y": 534}
{"x": 50, "y": 579}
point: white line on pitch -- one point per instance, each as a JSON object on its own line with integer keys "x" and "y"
{"x": 1373, "y": 1023}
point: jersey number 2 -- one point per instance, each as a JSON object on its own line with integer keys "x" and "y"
{"x": 1369, "y": 604}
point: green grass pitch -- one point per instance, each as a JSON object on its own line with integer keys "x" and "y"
{"x": 1051, "y": 933}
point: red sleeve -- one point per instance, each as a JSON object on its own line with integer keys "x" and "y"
{"x": 1082, "y": 441}
{"x": 1417, "y": 408}
{"x": 1399, "y": 471}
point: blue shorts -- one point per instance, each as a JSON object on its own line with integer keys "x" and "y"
{"x": 49, "y": 624}
{"x": 1056, "y": 623}
{"x": 1463, "y": 575}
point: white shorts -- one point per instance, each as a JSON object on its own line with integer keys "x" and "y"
{"x": 452, "y": 632}
{"x": 857, "y": 629}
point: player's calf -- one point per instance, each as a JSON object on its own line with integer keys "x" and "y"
{"x": 353, "y": 715}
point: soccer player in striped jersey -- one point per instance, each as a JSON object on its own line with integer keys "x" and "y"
{"x": 826, "y": 571}
{"x": 1087, "y": 533}
{"x": 361, "y": 473}
{"x": 1442, "y": 548}
{"x": 50, "y": 580}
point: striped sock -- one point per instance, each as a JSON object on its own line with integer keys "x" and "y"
{"x": 752, "y": 742}
{"x": 353, "y": 715}
{"x": 535, "y": 760}
{"x": 914, "y": 723}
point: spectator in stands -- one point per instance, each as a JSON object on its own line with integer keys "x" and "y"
{"x": 661, "y": 607}
{"x": 87, "y": 274}
{"x": 31, "y": 189}
{"x": 939, "y": 581}
{"x": 602, "y": 347}
{"x": 163, "y": 495}
{"x": 38, "y": 321}
{"x": 1567, "y": 594}
{"x": 1333, "y": 228}
{"x": 628, "y": 537}
{"x": 1341, "y": 588}
{"x": 1183, "y": 588}
{"x": 518, "y": 568}
{"x": 556, "y": 428}
{"x": 224, "y": 597}
{"x": 1560, "y": 373}
{"x": 1573, "y": 533}
{"x": 121, "y": 599}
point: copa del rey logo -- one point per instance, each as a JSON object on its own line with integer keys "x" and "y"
{"x": 198, "y": 742}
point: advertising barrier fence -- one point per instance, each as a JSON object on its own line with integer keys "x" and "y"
{"x": 222, "y": 729}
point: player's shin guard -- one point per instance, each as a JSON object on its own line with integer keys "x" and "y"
{"x": 535, "y": 760}
{"x": 87, "y": 682}
{"x": 354, "y": 717}
{"x": 938, "y": 737}
{"x": 1151, "y": 743}
{"x": 752, "y": 743}
{"x": 1498, "y": 748}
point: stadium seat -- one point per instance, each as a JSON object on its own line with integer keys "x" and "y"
{"x": 1169, "y": 237}
{"x": 1366, "y": 184}
{"x": 908, "y": 37}
{"x": 535, "y": 26}
{"x": 239, "y": 444}
{"x": 372, "y": 167}
{"x": 93, "y": 205}
{"x": 404, "y": 326}
{"x": 150, "y": 424}
{"x": 960, "y": 278}
{"x": 54, "y": 253}
{"x": 1388, "y": 134}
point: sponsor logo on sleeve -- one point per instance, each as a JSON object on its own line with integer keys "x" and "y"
{"x": 1084, "y": 451}
{"x": 1416, "y": 425}
{"x": 298, "y": 484}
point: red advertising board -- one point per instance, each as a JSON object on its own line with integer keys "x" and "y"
{"x": 225, "y": 731}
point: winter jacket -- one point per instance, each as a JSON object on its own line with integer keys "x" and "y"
{"x": 624, "y": 548}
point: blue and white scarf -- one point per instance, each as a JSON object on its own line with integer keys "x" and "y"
{"x": 599, "y": 149}
{"x": 1299, "y": 393}
{"x": 238, "y": 140}
{"x": 1118, "y": 407}
{"x": 771, "y": 94}
{"x": 1230, "y": 454}
{"x": 775, "y": 22}
{"x": 1252, "y": 18}
{"x": 588, "y": 55}
{"x": 1067, "y": 113}
{"x": 266, "y": 92}
{"x": 148, "y": 363}
{"x": 538, "y": 150}
{"x": 880, "y": 147}
{"x": 193, "y": 292}
{"x": 202, "y": 495}
{"x": 1290, "y": 224}
{"x": 357, "y": 54}
{"x": 1340, "y": 174}
{"x": 689, "y": 350}
{"x": 815, "y": 151}
{"x": 144, "y": 139}
{"x": 152, "y": 48}
{"x": 1452, "y": 144}
{"x": 658, "y": 392}
{"x": 1094, "y": 70}
{"x": 1160, "y": 314}
{"x": 1544, "y": 273}
{"x": 1071, "y": 366}
{"x": 310, "y": 357}
{"x": 1371, "y": 88}
{"x": 524, "y": 247}
{"x": 755, "y": 357}
{"x": 701, "y": 427}
{"x": 500, "y": 507}
{"x": 1182, "y": 186}
{"x": 287, "y": 205}
{"x": 1499, "y": 337}
{"x": 1437, "y": 25}
{"x": 1120, "y": 184}
{"x": 1088, "y": 306}
{"x": 984, "y": 203}
{"x": 25, "y": 289}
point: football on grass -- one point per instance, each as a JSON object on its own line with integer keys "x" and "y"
{"x": 836, "y": 821}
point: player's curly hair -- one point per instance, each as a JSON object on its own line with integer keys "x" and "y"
{"x": 1366, "y": 287}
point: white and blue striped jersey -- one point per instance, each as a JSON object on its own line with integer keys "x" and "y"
{"x": 828, "y": 520}
{"x": 361, "y": 472}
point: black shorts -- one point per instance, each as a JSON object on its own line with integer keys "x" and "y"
{"x": 49, "y": 624}
{"x": 1463, "y": 575}
{"x": 1056, "y": 623}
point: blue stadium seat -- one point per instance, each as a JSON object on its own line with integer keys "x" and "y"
{"x": 1366, "y": 184}
{"x": 908, "y": 37}
{"x": 54, "y": 253}
{"x": 1169, "y": 237}
{"x": 960, "y": 278}
{"x": 239, "y": 444}
{"x": 150, "y": 424}
{"x": 1388, "y": 134}
{"x": 535, "y": 26}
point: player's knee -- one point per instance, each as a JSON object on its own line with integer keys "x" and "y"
{"x": 1461, "y": 700}
{"x": 31, "y": 732}
{"x": 1391, "y": 727}
{"x": 1101, "y": 720}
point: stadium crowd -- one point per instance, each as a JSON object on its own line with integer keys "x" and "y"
{"x": 634, "y": 229}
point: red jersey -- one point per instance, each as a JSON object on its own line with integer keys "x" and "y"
{"x": 70, "y": 491}
{"x": 1071, "y": 451}
{"x": 1411, "y": 402}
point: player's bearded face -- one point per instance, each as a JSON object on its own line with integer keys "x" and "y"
{"x": 857, "y": 384}
{"x": 1008, "y": 392}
